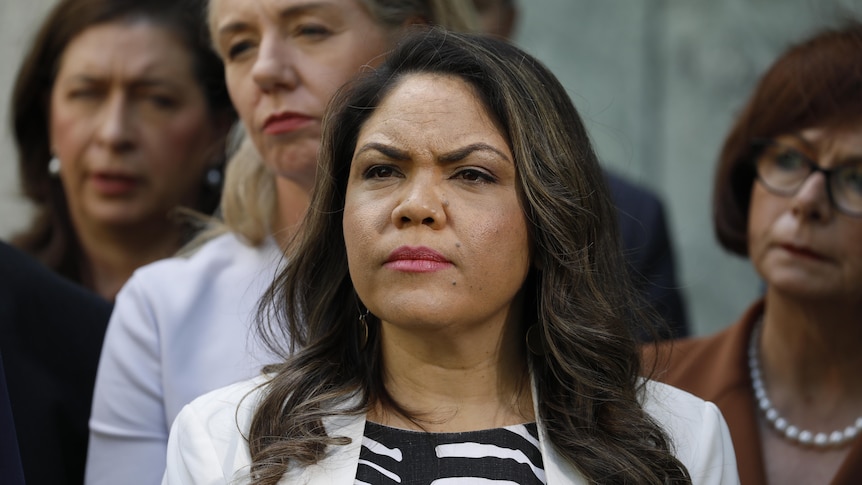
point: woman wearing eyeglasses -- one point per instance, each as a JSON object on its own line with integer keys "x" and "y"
{"x": 788, "y": 196}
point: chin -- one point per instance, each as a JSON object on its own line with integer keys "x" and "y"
{"x": 122, "y": 215}
{"x": 810, "y": 289}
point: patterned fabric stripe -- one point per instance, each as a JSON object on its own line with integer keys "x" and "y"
{"x": 478, "y": 450}
{"x": 501, "y": 456}
{"x": 472, "y": 481}
{"x": 524, "y": 432}
{"x": 381, "y": 449}
{"x": 388, "y": 474}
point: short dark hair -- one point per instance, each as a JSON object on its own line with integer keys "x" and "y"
{"x": 51, "y": 237}
{"x": 817, "y": 82}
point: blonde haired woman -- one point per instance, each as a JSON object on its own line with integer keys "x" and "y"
{"x": 182, "y": 327}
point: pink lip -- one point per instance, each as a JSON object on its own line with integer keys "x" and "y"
{"x": 802, "y": 251}
{"x": 286, "y": 122}
{"x": 416, "y": 260}
{"x": 114, "y": 184}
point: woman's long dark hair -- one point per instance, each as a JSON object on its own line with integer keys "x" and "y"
{"x": 580, "y": 297}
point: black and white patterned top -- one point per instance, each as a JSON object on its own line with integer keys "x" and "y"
{"x": 500, "y": 456}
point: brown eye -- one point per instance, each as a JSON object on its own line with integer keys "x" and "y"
{"x": 379, "y": 171}
{"x": 238, "y": 49}
{"x": 851, "y": 178}
{"x": 474, "y": 175}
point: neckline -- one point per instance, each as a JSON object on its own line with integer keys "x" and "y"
{"x": 792, "y": 433}
{"x": 510, "y": 427}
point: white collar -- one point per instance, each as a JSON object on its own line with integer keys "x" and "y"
{"x": 340, "y": 464}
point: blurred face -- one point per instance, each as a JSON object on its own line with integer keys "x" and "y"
{"x": 284, "y": 59}
{"x": 801, "y": 244}
{"x": 434, "y": 229}
{"x": 130, "y": 124}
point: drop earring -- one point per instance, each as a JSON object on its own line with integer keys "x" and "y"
{"x": 54, "y": 167}
{"x": 213, "y": 178}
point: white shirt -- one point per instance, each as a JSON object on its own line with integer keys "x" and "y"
{"x": 207, "y": 444}
{"x": 180, "y": 327}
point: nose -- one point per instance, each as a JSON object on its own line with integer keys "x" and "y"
{"x": 811, "y": 201}
{"x": 421, "y": 204}
{"x": 274, "y": 68}
{"x": 115, "y": 130}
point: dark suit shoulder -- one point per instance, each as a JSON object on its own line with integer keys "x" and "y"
{"x": 51, "y": 333}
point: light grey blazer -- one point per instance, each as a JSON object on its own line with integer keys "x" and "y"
{"x": 207, "y": 444}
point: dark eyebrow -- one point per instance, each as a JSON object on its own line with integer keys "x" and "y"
{"x": 291, "y": 11}
{"x": 453, "y": 156}
{"x": 145, "y": 82}
{"x": 388, "y": 151}
{"x": 462, "y": 153}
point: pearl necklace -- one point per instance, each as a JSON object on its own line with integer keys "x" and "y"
{"x": 794, "y": 434}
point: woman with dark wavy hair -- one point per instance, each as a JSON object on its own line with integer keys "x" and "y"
{"x": 456, "y": 304}
{"x": 788, "y": 197}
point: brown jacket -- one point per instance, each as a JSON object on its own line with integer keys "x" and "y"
{"x": 715, "y": 369}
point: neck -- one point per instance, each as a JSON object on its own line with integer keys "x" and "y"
{"x": 452, "y": 383}
{"x": 292, "y": 199}
{"x": 809, "y": 354}
{"x": 812, "y": 337}
{"x": 111, "y": 254}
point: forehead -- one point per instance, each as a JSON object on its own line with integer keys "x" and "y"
{"x": 839, "y": 138}
{"x": 222, "y": 13}
{"x": 131, "y": 47}
{"x": 432, "y": 105}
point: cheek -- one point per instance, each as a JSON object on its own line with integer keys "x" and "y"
{"x": 242, "y": 91}
{"x": 327, "y": 81}
{"x": 762, "y": 211}
{"x": 359, "y": 224}
{"x": 353, "y": 227}
{"x": 851, "y": 239}
{"x": 68, "y": 133}
{"x": 506, "y": 231}
{"x": 184, "y": 140}
{"x": 179, "y": 154}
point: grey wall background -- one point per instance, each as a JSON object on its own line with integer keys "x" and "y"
{"x": 658, "y": 82}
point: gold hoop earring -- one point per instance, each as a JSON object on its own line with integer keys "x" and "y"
{"x": 535, "y": 342}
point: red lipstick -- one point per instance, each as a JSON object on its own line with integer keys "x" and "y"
{"x": 114, "y": 184}
{"x": 286, "y": 122}
{"x": 418, "y": 259}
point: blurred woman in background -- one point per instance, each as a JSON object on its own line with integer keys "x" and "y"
{"x": 788, "y": 196}
{"x": 120, "y": 113}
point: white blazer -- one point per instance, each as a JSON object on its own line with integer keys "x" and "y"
{"x": 181, "y": 327}
{"x": 207, "y": 444}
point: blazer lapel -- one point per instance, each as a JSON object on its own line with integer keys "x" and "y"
{"x": 339, "y": 466}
